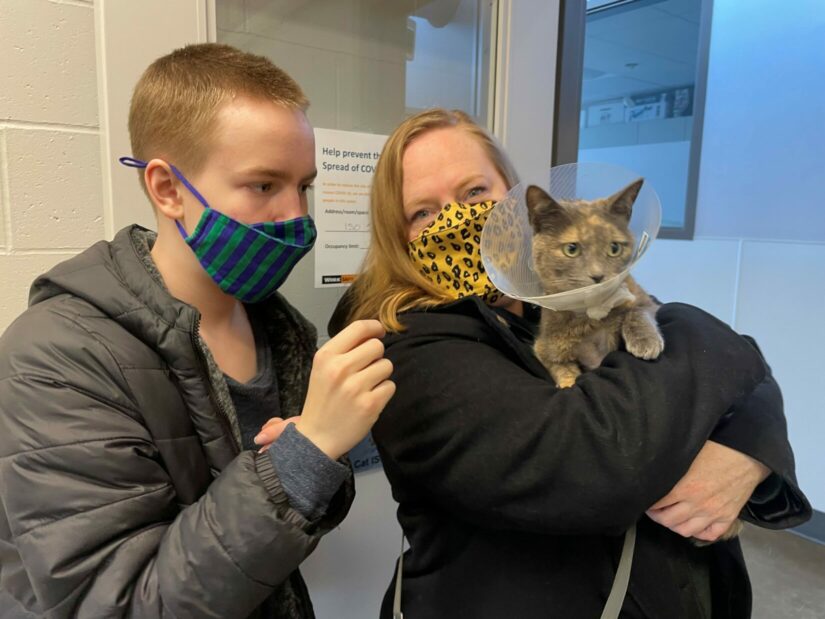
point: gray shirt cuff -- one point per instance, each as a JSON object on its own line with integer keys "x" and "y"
{"x": 309, "y": 477}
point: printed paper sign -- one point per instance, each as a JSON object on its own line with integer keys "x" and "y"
{"x": 346, "y": 161}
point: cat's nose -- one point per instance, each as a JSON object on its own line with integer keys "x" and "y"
{"x": 597, "y": 278}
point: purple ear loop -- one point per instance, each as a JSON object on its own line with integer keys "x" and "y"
{"x": 131, "y": 162}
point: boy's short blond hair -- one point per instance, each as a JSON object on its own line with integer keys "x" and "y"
{"x": 176, "y": 101}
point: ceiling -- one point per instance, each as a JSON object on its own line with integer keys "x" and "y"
{"x": 633, "y": 49}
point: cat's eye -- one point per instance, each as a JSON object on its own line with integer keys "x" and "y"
{"x": 615, "y": 249}
{"x": 571, "y": 250}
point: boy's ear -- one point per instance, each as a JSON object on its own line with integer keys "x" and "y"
{"x": 163, "y": 188}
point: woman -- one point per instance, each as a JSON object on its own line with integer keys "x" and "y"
{"x": 514, "y": 494}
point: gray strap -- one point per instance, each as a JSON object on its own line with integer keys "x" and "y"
{"x": 396, "y": 603}
{"x": 614, "y": 601}
{"x": 617, "y": 593}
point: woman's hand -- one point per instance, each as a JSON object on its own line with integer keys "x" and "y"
{"x": 708, "y": 499}
{"x": 270, "y": 432}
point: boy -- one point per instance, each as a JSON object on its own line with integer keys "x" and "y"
{"x": 134, "y": 389}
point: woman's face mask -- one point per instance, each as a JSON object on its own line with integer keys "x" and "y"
{"x": 249, "y": 262}
{"x": 448, "y": 251}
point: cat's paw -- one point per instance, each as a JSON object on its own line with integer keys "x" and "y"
{"x": 565, "y": 374}
{"x": 645, "y": 346}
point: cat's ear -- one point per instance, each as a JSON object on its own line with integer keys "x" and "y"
{"x": 544, "y": 212}
{"x": 621, "y": 202}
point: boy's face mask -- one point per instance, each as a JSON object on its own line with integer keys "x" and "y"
{"x": 447, "y": 252}
{"x": 249, "y": 262}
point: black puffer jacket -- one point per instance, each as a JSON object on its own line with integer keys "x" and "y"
{"x": 514, "y": 494}
{"x": 123, "y": 490}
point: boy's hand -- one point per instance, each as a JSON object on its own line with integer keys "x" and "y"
{"x": 348, "y": 388}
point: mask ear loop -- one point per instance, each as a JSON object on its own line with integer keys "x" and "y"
{"x": 131, "y": 162}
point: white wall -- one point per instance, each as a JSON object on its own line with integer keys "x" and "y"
{"x": 664, "y": 165}
{"x": 443, "y": 70}
{"x": 50, "y": 191}
{"x": 762, "y": 162}
{"x": 349, "y": 56}
{"x": 130, "y": 36}
{"x": 758, "y": 259}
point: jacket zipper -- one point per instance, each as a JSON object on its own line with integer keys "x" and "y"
{"x": 223, "y": 416}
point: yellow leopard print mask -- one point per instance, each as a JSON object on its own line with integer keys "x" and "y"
{"x": 448, "y": 251}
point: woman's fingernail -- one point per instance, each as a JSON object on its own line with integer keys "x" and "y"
{"x": 259, "y": 438}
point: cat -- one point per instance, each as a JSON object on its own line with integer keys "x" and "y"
{"x": 579, "y": 243}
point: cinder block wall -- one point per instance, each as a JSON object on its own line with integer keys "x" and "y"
{"x": 51, "y": 203}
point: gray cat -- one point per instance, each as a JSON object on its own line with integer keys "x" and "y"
{"x": 579, "y": 243}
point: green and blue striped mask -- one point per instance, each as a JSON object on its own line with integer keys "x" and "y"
{"x": 249, "y": 262}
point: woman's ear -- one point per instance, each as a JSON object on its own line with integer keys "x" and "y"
{"x": 163, "y": 188}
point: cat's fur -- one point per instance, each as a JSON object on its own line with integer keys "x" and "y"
{"x": 568, "y": 341}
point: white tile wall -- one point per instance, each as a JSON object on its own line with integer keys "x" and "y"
{"x": 55, "y": 189}
{"x": 50, "y": 185}
{"x": 48, "y": 68}
{"x": 4, "y": 208}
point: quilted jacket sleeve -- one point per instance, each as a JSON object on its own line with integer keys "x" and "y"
{"x": 92, "y": 512}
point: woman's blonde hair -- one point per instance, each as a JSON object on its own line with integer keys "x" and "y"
{"x": 389, "y": 283}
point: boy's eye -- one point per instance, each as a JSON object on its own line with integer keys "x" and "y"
{"x": 261, "y": 187}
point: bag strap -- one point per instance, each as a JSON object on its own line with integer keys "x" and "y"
{"x": 396, "y": 603}
{"x": 612, "y": 607}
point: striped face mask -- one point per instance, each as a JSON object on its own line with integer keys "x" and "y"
{"x": 249, "y": 262}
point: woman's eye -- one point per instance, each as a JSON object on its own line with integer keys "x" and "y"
{"x": 419, "y": 215}
{"x": 261, "y": 187}
{"x": 615, "y": 249}
{"x": 475, "y": 192}
{"x": 571, "y": 250}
